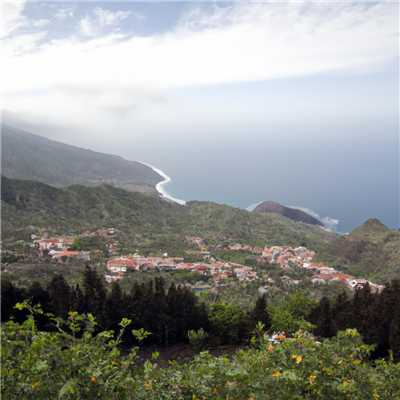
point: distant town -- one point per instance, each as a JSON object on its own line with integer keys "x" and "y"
{"x": 219, "y": 272}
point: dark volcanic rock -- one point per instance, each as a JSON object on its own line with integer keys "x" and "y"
{"x": 293, "y": 214}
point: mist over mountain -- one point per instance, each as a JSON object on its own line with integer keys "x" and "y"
{"x": 28, "y": 156}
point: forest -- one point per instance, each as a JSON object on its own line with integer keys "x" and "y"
{"x": 81, "y": 342}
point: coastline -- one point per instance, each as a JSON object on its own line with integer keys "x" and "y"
{"x": 159, "y": 186}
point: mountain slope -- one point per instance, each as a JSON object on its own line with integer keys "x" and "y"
{"x": 293, "y": 214}
{"x": 28, "y": 156}
{"x": 371, "y": 251}
{"x": 77, "y": 208}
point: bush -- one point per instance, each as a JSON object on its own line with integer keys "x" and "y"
{"x": 198, "y": 339}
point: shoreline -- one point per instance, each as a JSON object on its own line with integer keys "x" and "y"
{"x": 159, "y": 185}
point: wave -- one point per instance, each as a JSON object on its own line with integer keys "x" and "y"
{"x": 329, "y": 223}
{"x": 159, "y": 186}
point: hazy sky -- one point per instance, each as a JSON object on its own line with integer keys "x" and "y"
{"x": 237, "y": 102}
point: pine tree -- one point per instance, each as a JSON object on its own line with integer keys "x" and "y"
{"x": 380, "y": 319}
{"x": 258, "y": 314}
{"x": 341, "y": 312}
{"x": 115, "y": 307}
{"x": 9, "y": 296}
{"x": 394, "y": 337}
{"x": 321, "y": 316}
{"x": 38, "y": 295}
{"x": 95, "y": 296}
{"x": 77, "y": 299}
{"x": 59, "y": 293}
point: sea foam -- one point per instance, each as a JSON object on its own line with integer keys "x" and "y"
{"x": 159, "y": 187}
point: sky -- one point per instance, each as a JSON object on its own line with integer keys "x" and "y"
{"x": 238, "y": 103}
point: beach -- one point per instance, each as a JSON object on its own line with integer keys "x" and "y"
{"x": 159, "y": 187}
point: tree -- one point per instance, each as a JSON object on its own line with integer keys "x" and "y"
{"x": 115, "y": 307}
{"x": 258, "y": 314}
{"x": 228, "y": 323}
{"x": 95, "y": 295}
{"x": 59, "y": 293}
{"x": 77, "y": 300}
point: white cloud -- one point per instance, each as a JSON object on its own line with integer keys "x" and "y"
{"x": 41, "y": 22}
{"x": 239, "y": 43}
{"x": 90, "y": 26}
{"x": 107, "y": 17}
{"x": 65, "y": 11}
{"x": 12, "y": 17}
{"x": 87, "y": 27}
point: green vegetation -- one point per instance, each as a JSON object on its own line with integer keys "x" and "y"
{"x": 82, "y": 359}
{"x": 43, "y": 365}
{"x": 143, "y": 221}
{"x": 371, "y": 252}
{"x": 28, "y": 156}
{"x": 82, "y": 243}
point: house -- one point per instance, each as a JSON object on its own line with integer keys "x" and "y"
{"x": 116, "y": 268}
{"x": 317, "y": 279}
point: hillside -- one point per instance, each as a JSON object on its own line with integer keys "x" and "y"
{"x": 28, "y": 156}
{"x": 36, "y": 206}
{"x": 293, "y": 214}
{"x": 371, "y": 251}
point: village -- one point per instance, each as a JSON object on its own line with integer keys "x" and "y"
{"x": 218, "y": 272}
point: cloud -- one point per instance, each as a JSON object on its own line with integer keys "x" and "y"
{"x": 87, "y": 27}
{"x": 213, "y": 46}
{"x": 107, "y": 17}
{"x": 41, "y": 22}
{"x": 328, "y": 222}
{"x": 12, "y": 17}
{"x": 65, "y": 11}
{"x": 91, "y": 26}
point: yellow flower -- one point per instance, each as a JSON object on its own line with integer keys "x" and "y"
{"x": 79, "y": 371}
{"x": 345, "y": 384}
{"x": 298, "y": 359}
{"x": 294, "y": 356}
{"x": 312, "y": 377}
{"x": 357, "y": 362}
{"x": 277, "y": 373}
{"x": 73, "y": 359}
{"x": 93, "y": 379}
{"x": 194, "y": 396}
